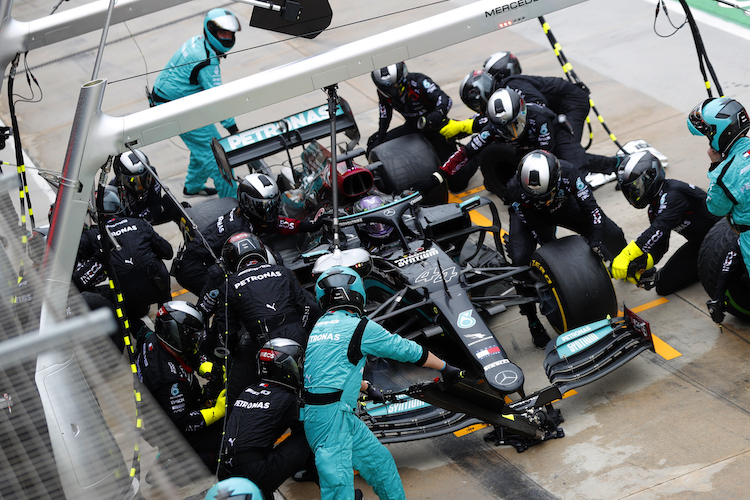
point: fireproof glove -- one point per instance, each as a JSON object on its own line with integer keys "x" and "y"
{"x": 374, "y": 394}
{"x": 451, "y": 373}
{"x": 215, "y": 413}
{"x": 210, "y": 371}
{"x": 436, "y": 120}
{"x": 427, "y": 184}
{"x": 454, "y": 127}
{"x": 621, "y": 263}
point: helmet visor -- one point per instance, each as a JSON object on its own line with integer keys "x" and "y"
{"x": 338, "y": 280}
{"x": 138, "y": 183}
{"x": 227, "y": 23}
{"x": 517, "y": 127}
{"x": 635, "y": 190}
{"x": 267, "y": 210}
{"x": 699, "y": 123}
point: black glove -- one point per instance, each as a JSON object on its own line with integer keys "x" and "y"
{"x": 427, "y": 184}
{"x": 374, "y": 394}
{"x": 233, "y": 130}
{"x": 599, "y": 249}
{"x": 716, "y": 310}
{"x": 372, "y": 142}
{"x": 451, "y": 373}
{"x": 436, "y": 120}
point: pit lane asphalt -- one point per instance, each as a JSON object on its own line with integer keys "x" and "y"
{"x": 656, "y": 429}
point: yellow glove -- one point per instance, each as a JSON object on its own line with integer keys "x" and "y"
{"x": 216, "y": 412}
{"x": 630, "y": 263}
{"x": 454, "y": 127}
{"x": 206, "y": 370}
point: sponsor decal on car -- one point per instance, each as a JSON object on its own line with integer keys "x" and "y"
{"x": 465, "y": 320}
{"x": 489, "y": 351}
{"x": 415, "y": 257}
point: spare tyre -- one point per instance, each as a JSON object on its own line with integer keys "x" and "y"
{"x": 580, "y": 285}
{"x": 717, "y": 243}
{"x": 405, "y": 160}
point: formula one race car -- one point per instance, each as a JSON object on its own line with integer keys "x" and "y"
{"x": 438, "y": 280}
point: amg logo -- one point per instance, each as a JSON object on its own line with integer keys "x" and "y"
{"x": 508, "y": 7}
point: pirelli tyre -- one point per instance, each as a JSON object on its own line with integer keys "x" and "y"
{"x": 498, "y": 164}
{"x": 719, "y": 240}
{"x": 579, "y": 288}
{"x": 405, "y": 160}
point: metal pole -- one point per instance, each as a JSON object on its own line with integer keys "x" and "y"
{"x": 105, "y": 31}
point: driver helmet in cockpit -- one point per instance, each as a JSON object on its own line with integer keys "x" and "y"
{"x": 374, "y": 233}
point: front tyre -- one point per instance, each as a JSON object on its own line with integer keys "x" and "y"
{"x": 580, "y": 286}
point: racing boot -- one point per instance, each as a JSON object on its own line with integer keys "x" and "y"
{"x": 539, "y": 334}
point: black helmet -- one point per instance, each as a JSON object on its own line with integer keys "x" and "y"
{"x": 340, "y": 286}
{"x": 723, "y": 120}
{"x": 501, "y": 65}
{"x": 539, "y": 175}
{"x": 506, "y": 111}
{"x": 391, "y": 80}
{"x": 132, "y": 173}
{"x": 112, "y": 204}
{"x": 179, "y": 324}
{"x": 241, "y": 248}
{"x": 640, "y": 176}
{"x": 280, "y": 361}
{"x": 259, "y": 198}
{"x": 475, "y": 89}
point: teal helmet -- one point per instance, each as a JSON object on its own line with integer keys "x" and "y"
{"x": 722, "y": 119}
{"x": 234, "y": 488}
{"x": 219, "y": 28}
{"x": 340, "y": 287}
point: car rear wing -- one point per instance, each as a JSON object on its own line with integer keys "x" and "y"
{"x": 294, "y": 130}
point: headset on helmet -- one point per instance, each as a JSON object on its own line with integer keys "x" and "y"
{"x": 132, "y": 173}
{"x": 178, "y": 324}
{"x": 475, "y": 89}
{"x": 501, "y": 65}
{"x": 539, "y": 175}
{"x": 241, "y": 248}
{"x": 280, "y": 361}
{"x": 219, "y": 28}
{"x": 506, "y": 111}
{"x": 373, "y": 231}
{"x": 640, "y": 177}
{"x": 234, "y": 488}
{"x": 722, "y": 119}
{"x": 391, "y": 79}
{"x": 340, "y": 287}
{"x": 259, "y": 198}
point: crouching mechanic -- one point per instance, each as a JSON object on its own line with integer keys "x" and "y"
{"x": 547, "y": 193}
{"x": 672, "y": 206}
{"x": 335, "y": 357}
{"x": 165, "y": 367}
{"x": 261, "y": 415}
{"x": 725, "y": 122}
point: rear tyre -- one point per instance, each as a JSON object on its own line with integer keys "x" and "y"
{"x": 719, "y": 240}
{"x": 407, "y": 159}
{"x": 581, "y": 287}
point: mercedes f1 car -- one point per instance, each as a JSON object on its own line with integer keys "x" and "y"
{"x": 439, "y": 280}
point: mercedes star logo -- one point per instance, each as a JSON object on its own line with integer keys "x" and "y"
{"x": 506, "y": 377}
